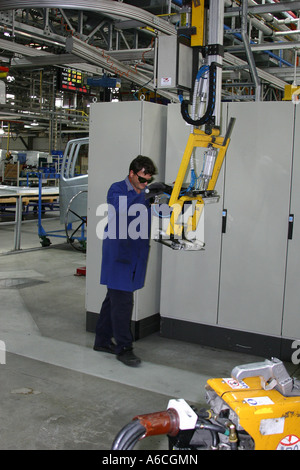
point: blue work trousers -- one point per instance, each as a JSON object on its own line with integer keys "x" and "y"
{"x": 114, "y": 320}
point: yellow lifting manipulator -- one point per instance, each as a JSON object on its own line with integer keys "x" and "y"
{"x": 214, "y": 159}
{"x": 181, "y": 233}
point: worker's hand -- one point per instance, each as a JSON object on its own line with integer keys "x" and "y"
{"x": 154, "y": 189}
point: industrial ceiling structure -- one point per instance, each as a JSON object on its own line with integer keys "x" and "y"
{"x": 117, "y": 41}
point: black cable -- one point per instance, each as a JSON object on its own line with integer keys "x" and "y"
{"x": 202, "y": 424}
{"x": 137, "y": 432}
{"x": 128, "y": 436}
{"x": 211, "y": 101}
{"x": 212, "y": 427}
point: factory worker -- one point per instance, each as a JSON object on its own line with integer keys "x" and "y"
{"x": 124, "y": 259}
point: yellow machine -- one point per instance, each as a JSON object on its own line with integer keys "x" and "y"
{"x": 267, "y": 404}
{"x": 257, "y": 408}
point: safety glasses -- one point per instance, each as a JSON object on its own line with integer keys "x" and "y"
{"x": 144, "y": 180}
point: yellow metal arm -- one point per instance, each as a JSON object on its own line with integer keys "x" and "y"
{"x": 196, "y": 139}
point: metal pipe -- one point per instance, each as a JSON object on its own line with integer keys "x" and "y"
{"x": 264, "y": 15}
{"x": 288, "y": 13}
{"x": 248, "y": 50}
{"x": 291, "y": 32}
{"x": 260, "y": 47}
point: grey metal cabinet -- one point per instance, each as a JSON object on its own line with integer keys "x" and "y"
{"x": 291, "y": 317}
{"x": 190, "y": 280}
{"x": 256, "y": 196}
{"x": 118, "y": 133}
{"x": 241, "y": 293}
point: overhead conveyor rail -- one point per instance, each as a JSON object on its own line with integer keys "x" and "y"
{"x": 101, "y": 6}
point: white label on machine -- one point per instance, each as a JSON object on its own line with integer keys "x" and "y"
{"x": 259, "y": 401}
{"x": 235, "y": 384}
{"x": 290, "y": 442}
{"x": 271, "y": 426}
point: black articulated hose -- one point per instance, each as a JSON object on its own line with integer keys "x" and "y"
{"x": 211, "y": 101}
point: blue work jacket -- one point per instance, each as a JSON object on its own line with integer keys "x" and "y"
{"x": 124, "y": 254}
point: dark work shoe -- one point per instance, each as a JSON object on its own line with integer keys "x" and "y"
{"x": 128, "y": 358}
{"x": 110, "y": 348}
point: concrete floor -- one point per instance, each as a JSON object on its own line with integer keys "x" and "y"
{"x": 59, "y": 394}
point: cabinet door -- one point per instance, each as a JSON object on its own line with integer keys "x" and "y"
{"x": 118, "y": 133}
{"x": 257, "y": 194}
{"x": 153, "y": 144}
{"x": 190, "y": 279}
{"x": 291, "y": 319}
{"x": 114, "y": 141}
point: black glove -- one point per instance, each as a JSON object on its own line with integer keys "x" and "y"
{"x": 155, "y": 189}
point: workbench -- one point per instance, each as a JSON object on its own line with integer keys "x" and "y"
{"x": 23, "y": 196}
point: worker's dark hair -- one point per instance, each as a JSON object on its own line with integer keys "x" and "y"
{"x": 140, "y": 163}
